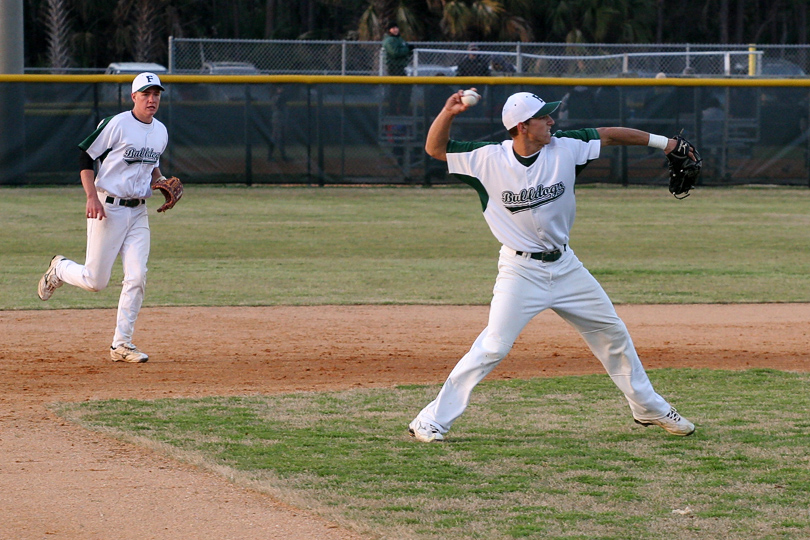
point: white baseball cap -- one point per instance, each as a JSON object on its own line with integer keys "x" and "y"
{"x": 144, "y": 81}
{"x": 524, "y": 105}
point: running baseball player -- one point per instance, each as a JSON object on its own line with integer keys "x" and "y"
{"x": 128, "y": 146}
{"x": 526, "y": 188}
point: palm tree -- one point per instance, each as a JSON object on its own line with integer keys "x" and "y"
{"x": 459, "y": 20}
{"x": 377, "y": 15}
{"x": 58, "y": 28}
{"x": 603, "y": 21}
{"x": 138, "y": 29}
{"x": 269, "y": 18}
{"x": 464, "y": 20}
{"x": 146, "y": 32}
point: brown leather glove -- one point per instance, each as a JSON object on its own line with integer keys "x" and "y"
{"x": 172, "y": 189}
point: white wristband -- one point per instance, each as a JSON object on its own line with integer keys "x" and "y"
{"x": 658, "y": 141}
{"x": 159, "y": 178}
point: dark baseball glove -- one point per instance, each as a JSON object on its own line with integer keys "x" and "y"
{"x": 172, "y": 189}
{"x": 684, "y": 164}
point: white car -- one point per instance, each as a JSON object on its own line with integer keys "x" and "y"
{"x": 230, "y": 68}
{"x": 117, "y": 68}
{"x": 430, "y": 70}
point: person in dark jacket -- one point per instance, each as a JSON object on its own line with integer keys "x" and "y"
{"x": 397, "y": 55}
{"x": 473, "y": 65}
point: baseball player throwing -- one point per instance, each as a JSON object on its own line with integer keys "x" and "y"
{"x": 526, "y": 188}
{"x": 128, "y": 146}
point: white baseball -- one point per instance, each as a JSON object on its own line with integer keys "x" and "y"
{"x": 470, "y": 97}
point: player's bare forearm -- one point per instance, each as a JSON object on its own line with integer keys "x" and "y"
{"x": 439, "y": 135}
{"x": 93, "y": 207}
{"x": 612, "y": 136}
{"x": 88, "y": 178}
{"x": 439, "y": 132}
{"x": 155, "y": 175}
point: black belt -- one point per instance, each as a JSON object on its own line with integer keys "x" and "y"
{"x": 545, "y": 256}
{"x": 131, "y": 203}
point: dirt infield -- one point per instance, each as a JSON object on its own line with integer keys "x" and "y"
{"x": 59, "y": 481}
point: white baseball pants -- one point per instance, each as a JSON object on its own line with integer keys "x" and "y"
{"x": 524, "y": 288}
{"x": 124, "y": 232}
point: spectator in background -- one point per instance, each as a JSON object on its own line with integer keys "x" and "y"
{"x": 278, "y": 121}
{"x": 473, "y": 65}
{"x": 502, "y": 65}
{"x": 579, "y": 105}
{"x": 712, "y": 117}
{"x": 397, "y": 54}
{"x": 712, "y": 140}
{"x": 661, "y": 107}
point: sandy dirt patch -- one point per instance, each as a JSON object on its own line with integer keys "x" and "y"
{"x": 59, "y": 481}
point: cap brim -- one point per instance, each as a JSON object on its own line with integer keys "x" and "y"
{"x": 143, "y": 88}
{"x": 547, "y": 109}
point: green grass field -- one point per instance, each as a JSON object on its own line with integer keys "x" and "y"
{"x": 298, "y": 246}
{"x": 543, "y": 458}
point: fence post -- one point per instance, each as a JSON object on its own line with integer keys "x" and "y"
{"x": 807, "y": 150}
{"x": 248, "y": 143}
{"x": 171, "y": 54}
{"x": 319, "y": 136}
{"x": 518, "y": 59}
{"x": 688, "y": 48}
{"x": 309, "y": 139}
{"x": 752, "y": 60}
{"x": 622, "y": 148}
{"x": 343, "y": 57}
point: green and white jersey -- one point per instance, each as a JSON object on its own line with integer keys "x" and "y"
{"x": 128, "y": 150}
{"x": 528, "y": 203}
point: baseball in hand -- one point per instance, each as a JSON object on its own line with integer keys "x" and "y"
{"x": 470, "y": 97}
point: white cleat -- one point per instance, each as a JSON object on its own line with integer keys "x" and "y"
{"x": 672, "y": 422}
{"x": 425, "y": 432}
{"x": 127, "y": 352}
{"x": 48, "y": 283}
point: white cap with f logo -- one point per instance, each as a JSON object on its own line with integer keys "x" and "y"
{"x": 144, "y": 81}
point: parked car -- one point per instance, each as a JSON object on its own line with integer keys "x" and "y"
{"x": 773, "y": 67}
{"x": 430, "y": 70}
{"x": 780, "y": 67}
{"x": 118, "y": 68}
{"x": 230, "y": 68}
{"x": 233, "y": 92}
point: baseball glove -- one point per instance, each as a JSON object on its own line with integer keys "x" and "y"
{"x": 172, "y": 189}
{"x": 683, "y": 169}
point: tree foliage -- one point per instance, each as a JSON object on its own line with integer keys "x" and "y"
{"x": 58, "y": 30}
{"x": 98, "y": 32}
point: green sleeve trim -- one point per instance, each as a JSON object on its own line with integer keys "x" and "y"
{"x": 585, "y": 134}
{"x": 459, "y": 147}
{"x": 85, "y": 144}
{"x": 476, "y": 184}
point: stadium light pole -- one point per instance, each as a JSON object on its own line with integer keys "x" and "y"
{"x": 12, "y": 102}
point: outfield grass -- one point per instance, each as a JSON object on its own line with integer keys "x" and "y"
{"x": 305, "y": 246}
{"x": 542, "y": 458}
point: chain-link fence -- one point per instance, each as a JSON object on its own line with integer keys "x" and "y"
{"x": 526, "y": 59}
{"x": 277, "y": 130}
